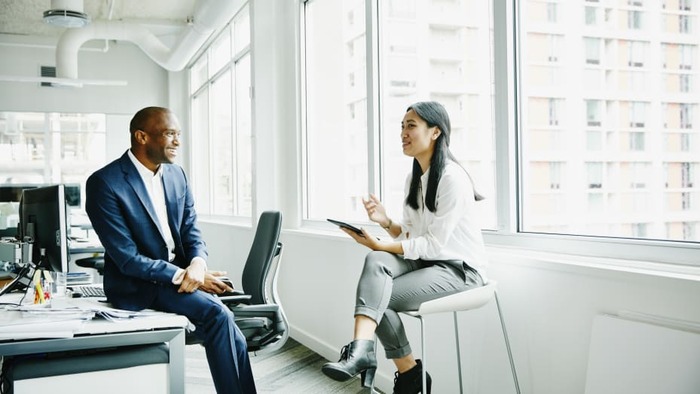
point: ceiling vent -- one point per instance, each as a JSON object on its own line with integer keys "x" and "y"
{"x": 66, "y": 13}
{"x": 48, "y": 71}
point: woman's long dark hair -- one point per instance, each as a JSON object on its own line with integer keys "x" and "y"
{"x": 434, "y": 114}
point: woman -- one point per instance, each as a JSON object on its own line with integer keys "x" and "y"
{"x": 437, "y": 250}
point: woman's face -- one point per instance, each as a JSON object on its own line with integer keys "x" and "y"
{"x": 417, "y": 139}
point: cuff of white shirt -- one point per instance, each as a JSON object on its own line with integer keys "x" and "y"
{"x": 180, "y": 273}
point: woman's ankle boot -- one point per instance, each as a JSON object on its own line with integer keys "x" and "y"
{"x": 411, "y": 381}
{"x": 356, "y": 357}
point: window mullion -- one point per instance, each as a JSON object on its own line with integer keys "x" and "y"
{"x": 505, "y": 115}
{"x": 372, "y": 77}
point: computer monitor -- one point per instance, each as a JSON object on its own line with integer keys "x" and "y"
{"x": 13, "y": 193}
{"x": 72, "y": 194}
{"x": 43, "y": 220}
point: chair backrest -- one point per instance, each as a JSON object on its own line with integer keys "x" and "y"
{"x": 262, "y": 252}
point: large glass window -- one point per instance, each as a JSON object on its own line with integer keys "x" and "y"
{"x": 39, "y": 149}
{"x": 336, "y": 154}
{"x": 47, "y": 148}
{"x": 353, "y": 144}
{"x": 220, "y": 83}
{"x": 636, "y": 170}
{"x": 603, "y": 114}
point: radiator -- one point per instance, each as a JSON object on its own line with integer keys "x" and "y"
{"x": 639, "y": 354}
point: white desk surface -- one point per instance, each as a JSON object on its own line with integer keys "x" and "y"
{"x": 50, "y": 323}
{"x": 29, "y": 333}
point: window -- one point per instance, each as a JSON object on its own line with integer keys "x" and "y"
{"x": 592, "y": 50}
{"x": 684, "y": 83}
{"x": 637, "y": 114}
{"x": 686, "y": 116}
{"x": 684, "y": 24}
{"x": 409, "y": 58}
{"x": 636, "y": 53}
{"x": 686, "y": 56}
{"x": 611, "y": 96}
{"x": 591, "y": 16}
{"x": 336, "y": 154}
{"x": 625, "y": 156}
{"x": 45, "y": 148}
{"x": 634, "y": 20}
{"x": 593, "y": 110}
{"x": 552, "y": 12}
{"x": 220, "y": 82}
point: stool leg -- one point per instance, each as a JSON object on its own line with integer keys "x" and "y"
{"x": 425, "y": 352}
{"x": 459, "y": 354}
{"x": 505, "y": 337}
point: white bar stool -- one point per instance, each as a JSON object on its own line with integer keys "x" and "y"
{"x": 463, "y": 301}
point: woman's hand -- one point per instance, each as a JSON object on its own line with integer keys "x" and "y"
{"x": 365, "y": 239}
{"x": 374, "y": 243}
{"x": 375, "y": 210}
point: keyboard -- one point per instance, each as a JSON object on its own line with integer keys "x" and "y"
{"x": 88, "y": 291}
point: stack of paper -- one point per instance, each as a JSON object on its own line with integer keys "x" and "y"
{"x": 16, "y": 324}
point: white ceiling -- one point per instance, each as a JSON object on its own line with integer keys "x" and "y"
{"x": 24, "y": 17}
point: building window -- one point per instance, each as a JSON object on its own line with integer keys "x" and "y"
{"x": 622, "y": 158}
{"x": 591, "y": 16}
{"x": 414, "y": 60}
{"x": 220, "y": 81}
{"x": 592, "y": 50}
{"x": 686, "y": 116}
{"x": 636, "y": 142}
{"x": 552, "y": 12}
{"x": 684, "y": 24}
{"x": 49, "y": 148}
{"x": 593, "y": 113}
{"x": 634, "y": 20}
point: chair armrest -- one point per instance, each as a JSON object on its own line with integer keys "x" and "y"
{"x": 255, "y": 310}
{"x": 233, "y": 298}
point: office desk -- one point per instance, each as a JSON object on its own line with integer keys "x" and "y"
{"x": 98, "y": 333}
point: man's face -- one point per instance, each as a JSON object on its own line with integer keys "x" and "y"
{"x": 162, "y": 139}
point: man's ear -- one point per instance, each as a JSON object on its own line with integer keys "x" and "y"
{"x": 140, "y": 136}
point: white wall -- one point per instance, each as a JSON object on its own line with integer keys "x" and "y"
{"x": 24, "y": 56}
{"x": 549, "y": 307}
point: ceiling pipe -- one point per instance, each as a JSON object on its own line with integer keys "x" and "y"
{"x": 209, "y": 16}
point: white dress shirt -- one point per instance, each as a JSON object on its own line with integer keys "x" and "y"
{"x": 154, "y": 187}
{"x": 453, "y": 231}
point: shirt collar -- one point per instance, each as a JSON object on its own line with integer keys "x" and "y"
{"x": 143, "y": 170}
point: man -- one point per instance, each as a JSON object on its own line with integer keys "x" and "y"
{"x": 142, "y": 209}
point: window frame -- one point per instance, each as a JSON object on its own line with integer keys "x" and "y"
{"x": 204, "y": 63}
{"x": 667, "y": 256}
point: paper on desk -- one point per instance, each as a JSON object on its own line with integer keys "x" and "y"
{"x": 103, "y": 309}
{"x": 52, "y": 312}
{"x": 16, "y": 325}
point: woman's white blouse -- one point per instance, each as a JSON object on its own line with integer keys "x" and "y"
{"x": 453, "y": 231}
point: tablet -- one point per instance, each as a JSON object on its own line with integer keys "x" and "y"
{"x": 346, "y": 225}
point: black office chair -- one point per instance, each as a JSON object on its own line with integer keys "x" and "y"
{"x": 96, "y": 262}
{"x": 258, "y": 312}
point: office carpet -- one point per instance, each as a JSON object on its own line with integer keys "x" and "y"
{"x": 292, "y": 369}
